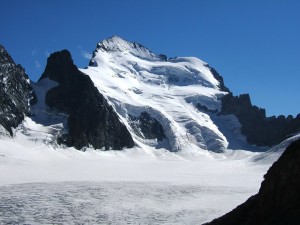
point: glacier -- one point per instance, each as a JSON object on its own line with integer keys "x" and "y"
{"x": 42, "y": 184}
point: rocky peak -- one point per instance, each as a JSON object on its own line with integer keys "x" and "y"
{"x": 5, "y": 57}
{"x": 115, "y": 43}
{"x": 59, "y": 67}
{"x": 117, "y": 46}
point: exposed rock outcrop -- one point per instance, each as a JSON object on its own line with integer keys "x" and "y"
{"x": 259, "y": 129}
{"x": 92, "y": 121}
{"x": 218, "y": 78}
{"x": 16, "y": 93}
{"x": 278, "y": 200}
{"x": 147, "y": 127}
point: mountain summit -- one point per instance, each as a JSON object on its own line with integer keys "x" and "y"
{"x": 118, "y": 46}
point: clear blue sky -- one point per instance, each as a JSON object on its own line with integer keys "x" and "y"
{"x": 255, "y": 44}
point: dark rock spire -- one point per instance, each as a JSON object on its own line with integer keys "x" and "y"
{"x": 92, "y": 121}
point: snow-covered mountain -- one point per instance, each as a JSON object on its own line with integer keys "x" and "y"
{"x": 136, "y": 81}
{"x": 184, "y": 94}
{"x": 130, "y": 96}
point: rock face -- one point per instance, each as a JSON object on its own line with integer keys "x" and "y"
{"x": 147, "y": 127}
{"x": 278, "y": 200}
{"x": 259, "y": 129}
{"x": 92, "y": 121}
{"x": 16, "y": 93}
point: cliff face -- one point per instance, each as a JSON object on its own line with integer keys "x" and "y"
{"x": 15, "y": 92}
{"x": 259, "y": 129}
{"x": 278, "y": 200}
{"x": 92, "y": 121}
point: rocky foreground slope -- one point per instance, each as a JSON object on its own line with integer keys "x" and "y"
{"x": 278, "y": 200}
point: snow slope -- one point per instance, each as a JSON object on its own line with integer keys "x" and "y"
{"x": 45, "y": 124}
{"x": 275, "y": 152}
{"x": 134, "y": 79}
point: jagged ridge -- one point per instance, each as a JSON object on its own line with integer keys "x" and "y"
{"x": 259, "y": 129}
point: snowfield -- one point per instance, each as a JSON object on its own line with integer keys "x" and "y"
{"x": 115, "y": 203}
{"x": 41, "y": 184}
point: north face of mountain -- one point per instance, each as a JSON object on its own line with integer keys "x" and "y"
{"x": 15, "y": 93}
{"x": 156, "y": 96}
{"x": 278, "y": 200}
{"x": 91, "y": 120}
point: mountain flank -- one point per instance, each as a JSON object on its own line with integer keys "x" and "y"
{"x": 16, "y": 94}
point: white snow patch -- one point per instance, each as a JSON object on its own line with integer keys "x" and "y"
{"x": 45, "y": 124}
